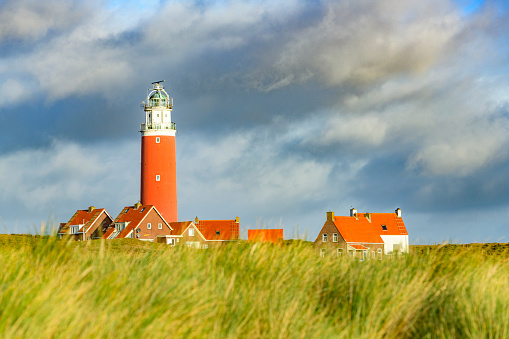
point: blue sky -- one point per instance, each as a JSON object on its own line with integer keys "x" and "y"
{"x": 284, "y": 110}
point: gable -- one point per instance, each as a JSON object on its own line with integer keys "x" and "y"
{"x": 328, "y": 228}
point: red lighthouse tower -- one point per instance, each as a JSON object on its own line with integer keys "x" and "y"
{"x": 158, "y": 159}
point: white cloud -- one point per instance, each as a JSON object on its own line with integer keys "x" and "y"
{"x": 66, "y": 177}
{"x": 33, "y": 19}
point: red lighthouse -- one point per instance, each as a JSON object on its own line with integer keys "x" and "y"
{"x": 158, "y": 159}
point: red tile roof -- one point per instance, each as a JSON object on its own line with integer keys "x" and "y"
{"x": 360, "y": 229}
{"x": 265, "y": 235}
{"x": 178, "y": 227}
{"x": 82, "y": 217}
{"x": 227, "y": 229}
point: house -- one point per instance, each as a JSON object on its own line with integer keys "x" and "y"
{"x": 265, "y": 235}
{"x": 86, "y": 224}
{"x": 363, "y": 235}
{"x": 139, "y": 221}
{"x": 202, "y": 233}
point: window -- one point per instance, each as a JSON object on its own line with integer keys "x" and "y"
{"x": 149, "y": 226}
{"x": 142, "y": 209}
{"x": 323, "y": 251}
{"x": 158, "y": 140}
{"x": 119, "y": 226}
{"x": 379, "y": 251}
{"x": 126, "y": 210}
{"x": 324, "y": 237}
{"x": 373, "y": 254}
{"x": 191, "y": 232}
{"x": 384, "y": 227}
{"x": 170, "y": 241}
{"x": 160, "y": 226}
{"x": 335, "y": 237}
{"x": 74, "y": 229}
{"x": 339, "y": 252}
{"x": 158, "y": 177}
{"x": 218, "y": 232}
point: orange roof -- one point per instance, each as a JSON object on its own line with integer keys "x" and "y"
{"x": 360, "y": 229}
{"x": 178, "y": 227}
{"x": 218, "y": 229}
{"x": 82, "y": 218}
{"x": 265, "y": 235}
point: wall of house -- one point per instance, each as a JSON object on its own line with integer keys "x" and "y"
{"x": 391, "y": 240}
{"x": 96, "y": 229}
{"x": 329, "y": 228}
{"x": 150, "y": 234}
{"x": 196, "y": 241}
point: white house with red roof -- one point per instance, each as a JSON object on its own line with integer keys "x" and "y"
{"x": 139, "y": 221}
{"x": 363, "y": 235}
{"x": 86, "y": 224}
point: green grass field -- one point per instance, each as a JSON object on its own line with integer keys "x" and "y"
{"x": 127, "y": 288}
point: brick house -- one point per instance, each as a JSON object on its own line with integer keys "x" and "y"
{"x": 86, "y": 224}
{"x": 142, "y": 222}
{"x": 363, "y": 235}
{"x": 202, "y": 233}
{"x": 265, "y": 235}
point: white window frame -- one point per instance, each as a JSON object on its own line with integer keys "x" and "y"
{"x": 339, "y": 252}
{"x": 324, "y": 237}
{"x": 160, "y": 226}
{"x": 191, "y": 232}
{"x": 171, "y": 241}
{"x": 334, "y": 237}
{"x": 158, "y": 177}
{"x": 158, "y": 140}
{"x": 323, "y": 252}
{"x": 149, "y": 226}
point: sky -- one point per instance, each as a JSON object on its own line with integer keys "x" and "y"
{"x": 284, "y": 109}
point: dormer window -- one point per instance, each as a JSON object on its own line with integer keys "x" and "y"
{"x": 75, "y": 229}
{"x": 218, "y": 232}
{"x": 119, "y": 226}
{"x": 384, "y": 227}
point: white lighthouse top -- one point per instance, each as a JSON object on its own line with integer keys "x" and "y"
{"x": 158, "y": 110}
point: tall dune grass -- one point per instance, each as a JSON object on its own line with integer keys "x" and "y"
{"x": 126, "y": 288}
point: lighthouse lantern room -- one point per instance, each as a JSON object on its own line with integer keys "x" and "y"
{"x": 158, "y": 158}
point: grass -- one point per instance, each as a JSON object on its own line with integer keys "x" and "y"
{"x": 127, "y": 288}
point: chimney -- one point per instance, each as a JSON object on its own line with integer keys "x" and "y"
{"x": 137, "y": 205}
{"x": 398, "y": 212}
{"x": 368, "y": 216}
{"x": 91, "y": 208}
{"x": 196, "y": 221}
{"x": 330, "y": 216}
{"x": 237, "y": 220}
{"x": 353, "y": 212}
